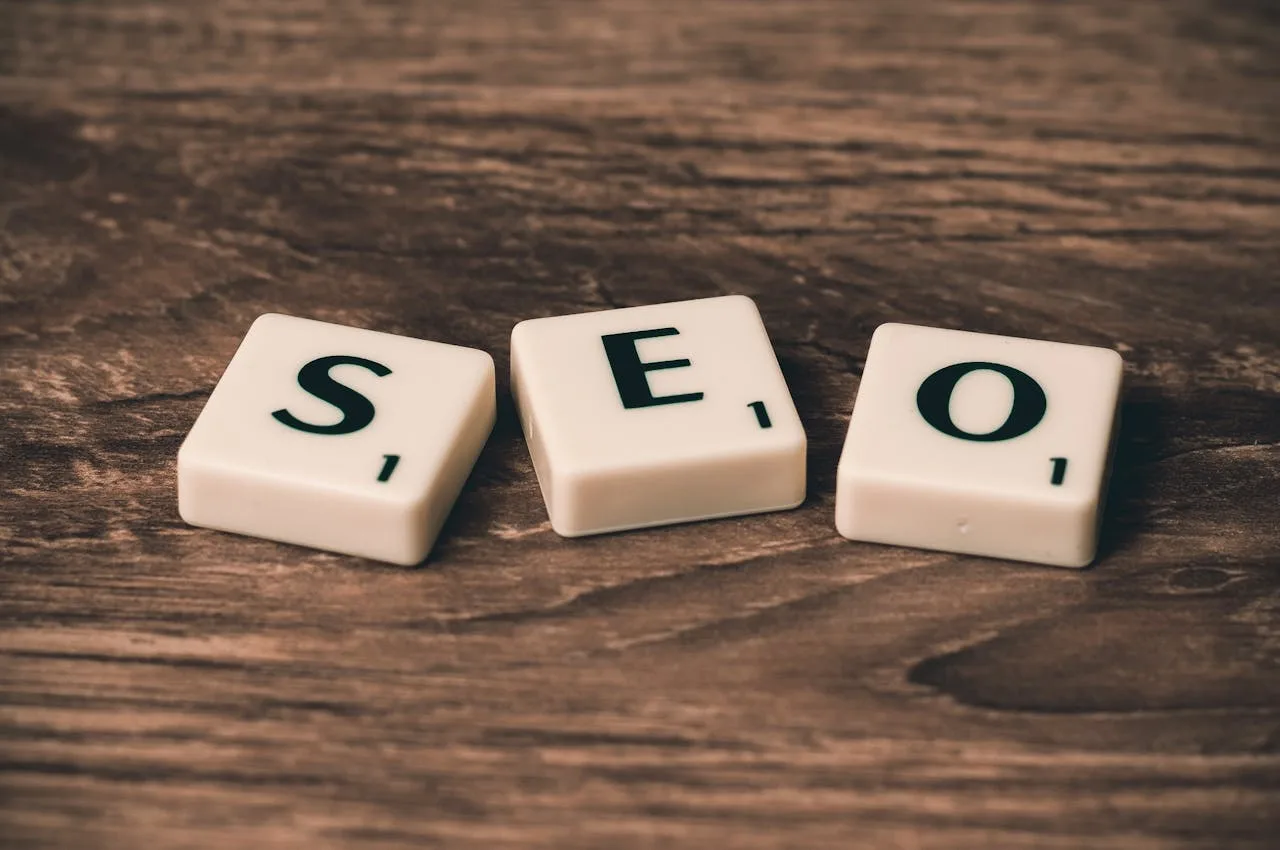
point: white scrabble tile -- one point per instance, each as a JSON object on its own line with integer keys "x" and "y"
{"x": 981, "y": 444}
{"x": 653, "y": 415}
{"x": 337, "y": 438}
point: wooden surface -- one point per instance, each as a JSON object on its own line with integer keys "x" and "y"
{"x": 1095, "y": 172}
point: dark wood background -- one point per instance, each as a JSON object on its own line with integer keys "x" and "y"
{"x": 1097, "y": 172}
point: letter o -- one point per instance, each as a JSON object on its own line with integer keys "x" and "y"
{"x": 933, "y": 400}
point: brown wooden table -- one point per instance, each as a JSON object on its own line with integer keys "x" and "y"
{"x": 1096, "y": 172}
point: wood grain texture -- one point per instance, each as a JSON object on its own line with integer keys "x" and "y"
{"x": 1093, "y": 172}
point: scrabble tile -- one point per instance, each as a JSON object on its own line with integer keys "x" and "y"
{"x": 337, "y": 438}
{"x": 652, "y": 415}
{"x": 981, "y": 444}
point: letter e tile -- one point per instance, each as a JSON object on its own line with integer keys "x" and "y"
{"x": 652, "y": 415}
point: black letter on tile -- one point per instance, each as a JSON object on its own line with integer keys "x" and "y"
{"x": 388, "y": 466}
{"x": 357, "y": 411}
{"x": 628, "y": 370}
{"x": 1029, "y": 402}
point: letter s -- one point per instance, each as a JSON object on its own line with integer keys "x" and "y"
{"x": 357, "y": 411}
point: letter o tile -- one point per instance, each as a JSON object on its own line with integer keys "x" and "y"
{"x": 980, "y": 444}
